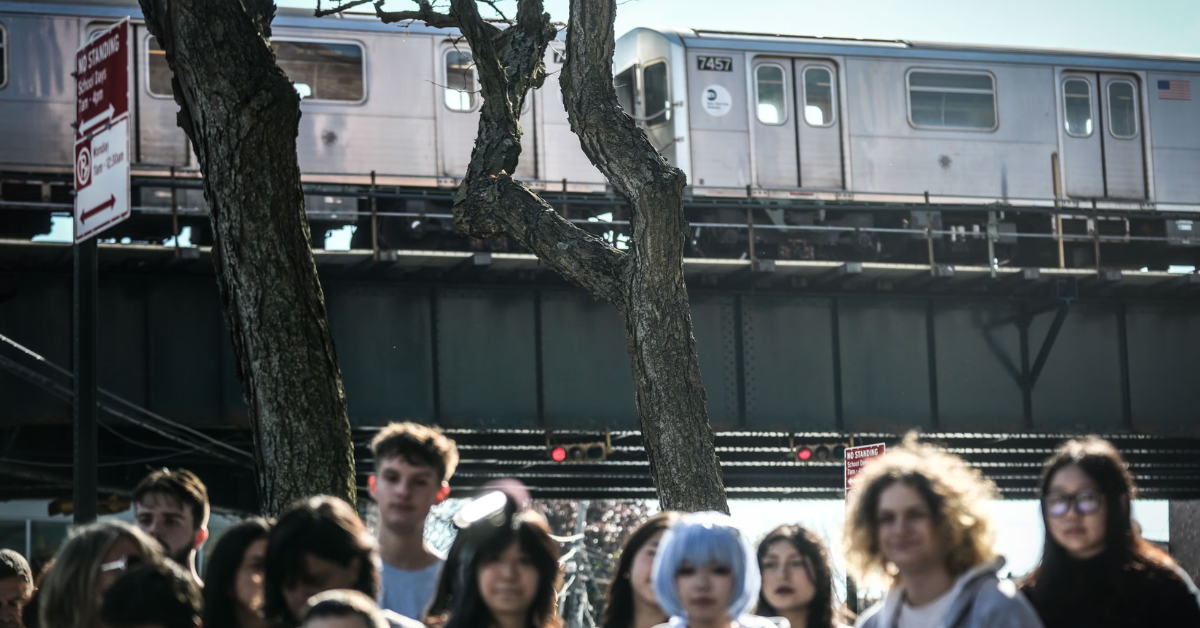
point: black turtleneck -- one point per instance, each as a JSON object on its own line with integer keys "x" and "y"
{"x": 1094, "y": 593}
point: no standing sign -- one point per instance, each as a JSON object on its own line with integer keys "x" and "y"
{"x": 103, "y": 72}
{"x": 856, "y": 459}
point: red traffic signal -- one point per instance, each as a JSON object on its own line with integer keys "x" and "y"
{"x": 818, "y": 452}
{"x": 579, "y": 452}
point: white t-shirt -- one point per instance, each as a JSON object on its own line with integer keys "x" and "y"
{"x": 408, "y": 592}
{"x": 927, "y": 615}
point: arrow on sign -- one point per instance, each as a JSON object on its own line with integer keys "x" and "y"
{"x": 99, "y": 208}
{"x": 89, "y": 125}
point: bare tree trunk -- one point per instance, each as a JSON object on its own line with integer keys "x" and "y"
{"x": 646, "y": 284}
{"x": 242, "y": 115}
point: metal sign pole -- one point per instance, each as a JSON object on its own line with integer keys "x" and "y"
{"x": 85, "y": 497}
{"x": 103, "y": 81}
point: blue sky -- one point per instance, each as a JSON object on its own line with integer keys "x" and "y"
{"x": 1147, "y": 26}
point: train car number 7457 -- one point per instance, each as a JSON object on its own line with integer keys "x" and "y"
{"x": 714, "y": 64}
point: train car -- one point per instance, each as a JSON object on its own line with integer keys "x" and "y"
{"x": 836, "y": 148}
{"x": 401, "y": 103}
{"x": 850, "y": 121}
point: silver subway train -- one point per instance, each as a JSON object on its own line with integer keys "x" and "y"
{"x": 795, "y": 134}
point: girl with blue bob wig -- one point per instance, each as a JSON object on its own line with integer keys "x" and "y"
{"x": 706, "y": 574}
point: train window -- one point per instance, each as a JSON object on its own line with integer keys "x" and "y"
{"x": 460, "y": 80}
{"x": 323, "y": 70}
{"x": 158, "y": 73}
{"x": 952, "y": 100}
{"x": 3, "y": 57}
{"x": 1122, "y": 110}
{"x": 1077, "y": 105}
{"x": 627, "y": 90}
{"x": 818, "y": 96}
{"x": 658, "y": 94}
{"x": 771, "y": 93}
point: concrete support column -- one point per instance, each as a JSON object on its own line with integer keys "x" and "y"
{"x": 1185, "y": 535}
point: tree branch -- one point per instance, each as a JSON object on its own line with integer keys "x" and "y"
{"x": 424, "y": 13}
{"x": 261, "y": 13}
{"x": 510, "y": 62}
{"x": 501, "y": 204}
{"x": 319, "y": 12}
{"x": 610, "y": 138}
{"x": 492, "y": 3}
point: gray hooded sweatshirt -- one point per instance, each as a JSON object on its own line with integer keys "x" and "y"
{"x": 981, "y": 600}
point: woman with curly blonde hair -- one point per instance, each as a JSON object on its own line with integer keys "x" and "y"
{"x": 918, "y": 521}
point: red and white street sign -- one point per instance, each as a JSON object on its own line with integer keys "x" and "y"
{"x": 104, "y": 71}
{"x": 856, "y": 458}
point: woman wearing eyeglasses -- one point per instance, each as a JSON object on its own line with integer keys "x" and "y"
{"x": 85, "y": 566}
{"x": 1096, "y": 570}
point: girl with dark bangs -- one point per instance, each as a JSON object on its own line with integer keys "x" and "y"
{"x": 797, "y": 583}
{"x": 319, "y": 544}
{"x": 631, "y": 600}
{"x": 502, "y": 572}
{"x": 233, "y": 592}
{"x": 1096, "y": 569}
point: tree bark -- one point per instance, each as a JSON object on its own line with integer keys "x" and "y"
{"x": 645, "y": 284}
{"x": 242, "y": 115}
{"x": 654, "y": 301}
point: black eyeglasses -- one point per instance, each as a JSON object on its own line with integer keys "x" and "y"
{"x": 1084, "y": 502}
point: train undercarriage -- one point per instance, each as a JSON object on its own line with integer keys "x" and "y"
{"x": 413, "y": 218}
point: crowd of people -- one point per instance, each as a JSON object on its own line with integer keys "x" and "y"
{"x": 917, "y": 525}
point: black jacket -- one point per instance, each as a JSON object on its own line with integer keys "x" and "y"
{"x": 1092, "y": 594}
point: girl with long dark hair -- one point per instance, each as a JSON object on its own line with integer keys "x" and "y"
{"x": 797, "y": 582}
{"x": 319, "y": 544}
{"x": 631, "y": 601}
{"x": 503, "y": 572}
{"x": 233, "y": 591}
{"x": 1096, "y": 569}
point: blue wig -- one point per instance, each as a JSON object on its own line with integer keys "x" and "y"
{"x": 699, "y": 539}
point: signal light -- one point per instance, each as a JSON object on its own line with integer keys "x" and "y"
{"x": 819, "y": 452}
{"x": 580, "y": 452}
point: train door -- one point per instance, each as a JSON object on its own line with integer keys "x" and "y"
{"x": 1124, "y": 161}
{"x": 1102, "y": 144}
{"x": 820, "y": 125}
{"x": 775, "y": 156}
{"x": 797, "y": 130}
{"x": 458, "y": 117}
{"x": 527, "y": 168}
{"x": 458, "y": 111}
{"x": 160, "y": 140}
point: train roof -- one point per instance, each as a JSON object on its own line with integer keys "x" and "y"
{"x": 813, "y": 44}
{"x": 284, "y": 16}
{"x": 700, "y": 38}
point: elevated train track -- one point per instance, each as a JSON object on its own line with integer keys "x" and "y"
{"x": 756, "y": 465}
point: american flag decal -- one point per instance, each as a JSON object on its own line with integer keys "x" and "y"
{"x": 1174, "y": 90}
